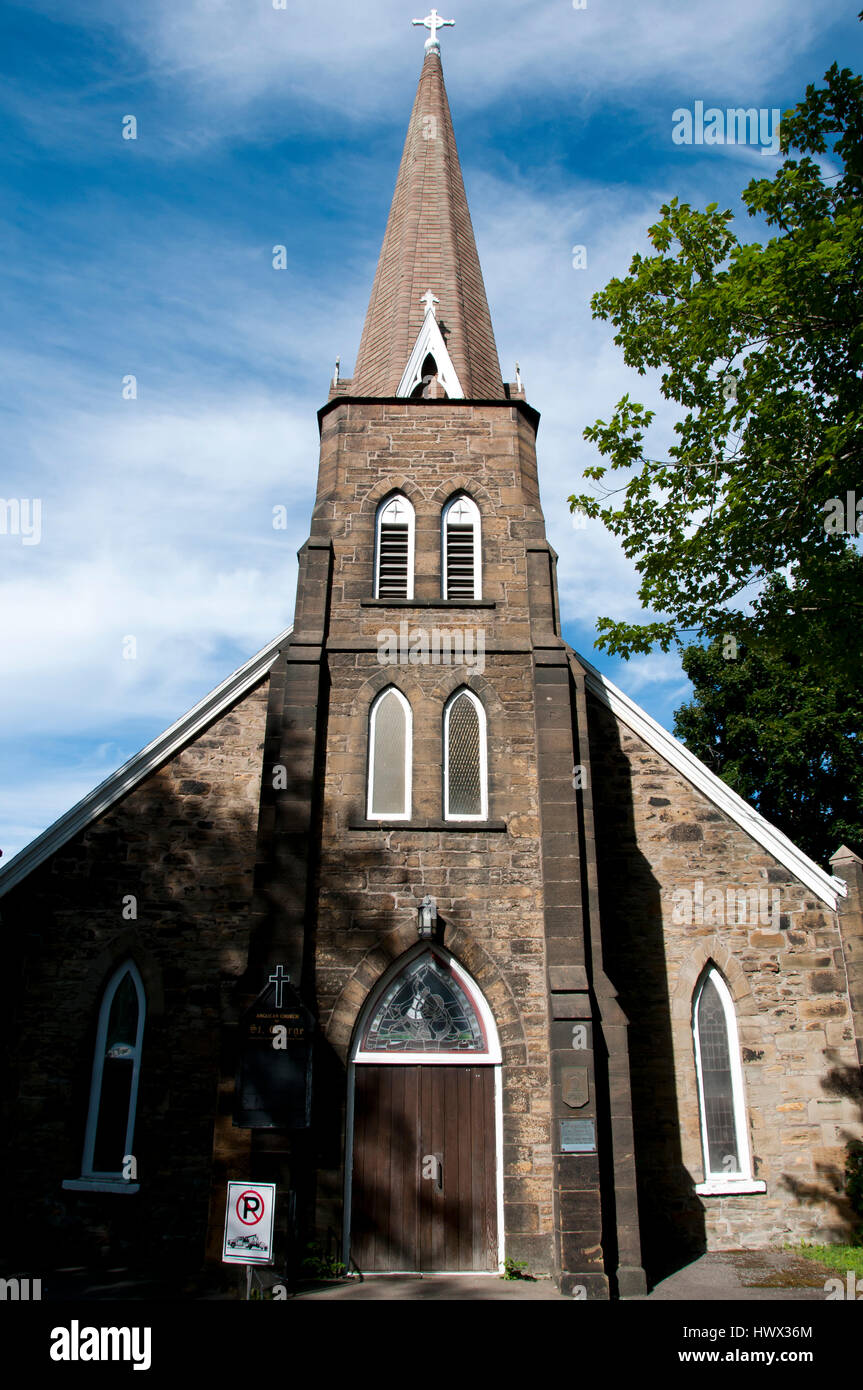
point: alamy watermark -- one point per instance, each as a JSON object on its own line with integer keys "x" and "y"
{"x": 21, "y": 517}
{"x": 844, "y": 515}
{"x": 718, "y": 907}
{"x": 437, "y": 646}
{"x": 736, "y": 125}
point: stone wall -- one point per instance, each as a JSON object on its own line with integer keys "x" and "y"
{"x": 658, "y": 835}
{"x": 487, "y": 881}
{"x": 182, "y": 843}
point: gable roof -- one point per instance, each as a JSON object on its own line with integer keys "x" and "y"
{"x": 96, "y": 802}
{"x": 822, "y": 884}
{"x": 226, "y": 695}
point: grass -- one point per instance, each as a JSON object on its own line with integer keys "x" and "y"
{"x": 842, "y": 1257}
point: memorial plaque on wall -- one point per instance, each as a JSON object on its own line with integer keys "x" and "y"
{"x": 273, "y": 1087}
{"x": 577, "y": 1137}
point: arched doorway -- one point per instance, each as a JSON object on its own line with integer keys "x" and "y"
{"x": 423, "y": 1166}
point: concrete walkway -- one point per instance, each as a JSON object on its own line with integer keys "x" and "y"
{"x": 747, "y": 1275}
{"x": 456, "y": 1287}
{"x": 735, "y": 1276}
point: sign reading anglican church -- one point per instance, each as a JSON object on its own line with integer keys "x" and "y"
{"x": 274, "y": 1071}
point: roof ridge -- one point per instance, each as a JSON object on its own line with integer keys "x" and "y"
{"x": 776, "y": 842}
{"x": 127, "y": 777}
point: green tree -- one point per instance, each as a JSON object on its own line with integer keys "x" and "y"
{"x": 738, "y": 534}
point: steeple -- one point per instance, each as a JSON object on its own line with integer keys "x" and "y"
{"x": 429, "y": 246}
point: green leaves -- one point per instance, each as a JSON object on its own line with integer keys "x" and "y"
{"x": 761, "y": 348}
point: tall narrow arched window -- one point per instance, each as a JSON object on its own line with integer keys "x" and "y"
{"x": 722, "y": 1104}
{"x": 116, "y": 1069}
{"x": 465, "y": 769}
{"x": 461, "y": 569}
{"x": 390, "y": 757}
{"x": 394, "y": 549}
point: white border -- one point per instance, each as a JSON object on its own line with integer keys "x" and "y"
{"x": 393, "y": 497}
{"x": 477, "y": 544}
{"x": 722, "y": 1183}
{"x": 483, "y": 755}
{"x": 409, "y": 756}
{"x": 492, "y": 1057}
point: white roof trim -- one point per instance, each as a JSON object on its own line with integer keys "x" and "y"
{"x": 137, "y": 768}
{"x": 430, "y": 340}
{"x": 822, "y": 884}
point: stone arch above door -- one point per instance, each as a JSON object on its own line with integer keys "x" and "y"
{"x": 468, "y": 954}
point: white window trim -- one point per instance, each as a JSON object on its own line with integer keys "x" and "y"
{"x": 483, "y": 755}
{"x": 92, "y": 1178}
{"x": 430, "y": 340}
{"x": 396, "y": 496}
{"x": 724, "y": 1184}
{"x": 477, "y": 544}
{"x": 390, "y": 815}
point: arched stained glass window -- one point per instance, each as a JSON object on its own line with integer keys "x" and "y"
{"x": 390, "y": 757}
{"x": 116, "y": 1069}
{"x": 394, "y": 549}
{"x": 425, "y": 1009}
{"x": 465, "y": 779}
{"x": 724, "y": 1125}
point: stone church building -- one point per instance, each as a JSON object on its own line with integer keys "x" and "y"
{"x": 557, "y": 994}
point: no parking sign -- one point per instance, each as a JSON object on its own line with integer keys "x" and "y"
{"x": 249, "y": 1223}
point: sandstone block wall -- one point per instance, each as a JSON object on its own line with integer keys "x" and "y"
{"x": 657, "y": 835}
{"x": 487, "y": 881}
{"x": 182, "y": 843}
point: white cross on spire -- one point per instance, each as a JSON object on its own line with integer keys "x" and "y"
{"x": 433, "y": 22}
{"x": 429, "y": 300}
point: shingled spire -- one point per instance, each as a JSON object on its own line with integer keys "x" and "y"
{"x": 428, "y": 245}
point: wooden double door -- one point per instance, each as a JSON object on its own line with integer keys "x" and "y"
{"x": 424, "y": 1181}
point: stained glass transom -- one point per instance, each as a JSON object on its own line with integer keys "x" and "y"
{"x": 465, "y": 773}
{"x": 425, "y": 1009}
{"x": 716, "y": 1081}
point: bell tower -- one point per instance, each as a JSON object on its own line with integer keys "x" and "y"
{"x": 424, "y": 866}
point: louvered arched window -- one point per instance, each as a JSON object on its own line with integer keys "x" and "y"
{"x": 462, "y": 550}
{"x": 465, "y": 770}
{"x": 724, "y": 1125}
{"x": 394, "y": 549}
{"x": 390, "y": 757}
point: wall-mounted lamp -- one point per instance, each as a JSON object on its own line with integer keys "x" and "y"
{"x": 426, "y": 918}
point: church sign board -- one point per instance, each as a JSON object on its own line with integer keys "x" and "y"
{"x": 274, "y": 1071}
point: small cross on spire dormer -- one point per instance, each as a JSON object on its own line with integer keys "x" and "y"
{"x": 429, "y": 300}
{"x": 433, "y": 22}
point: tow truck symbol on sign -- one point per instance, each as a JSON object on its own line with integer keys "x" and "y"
{"x": 246, "y": 1243}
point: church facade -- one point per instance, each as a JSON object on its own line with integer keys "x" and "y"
{"x": 571, "y": 1001}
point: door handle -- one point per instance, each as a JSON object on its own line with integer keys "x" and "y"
{"x": 439, "y": 1183}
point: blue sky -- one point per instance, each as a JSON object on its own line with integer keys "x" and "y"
{"x": 153, "y": 257}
